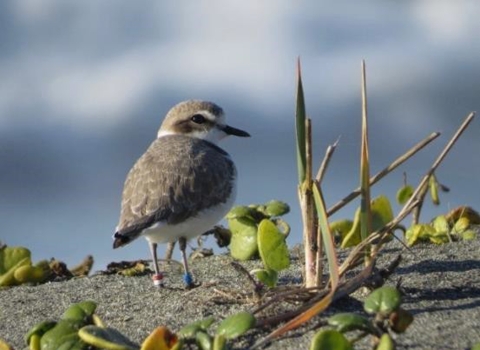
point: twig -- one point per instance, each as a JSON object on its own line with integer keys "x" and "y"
{"x": 282, "y": 296}
{"x": 376, "y": 280}
{"x": 343, "y": 290}
{"x": 412, "y": 203}
{"x": 439, "y": 159}
{"x": 326, "y": 160}
{"x": 358, "y": 250}
{"x": 417, "y": 210}
{"x": 240, "y": 268}
{"x": 356, "y": 282}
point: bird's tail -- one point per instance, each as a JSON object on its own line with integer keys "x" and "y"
{"x": 121, "y": 239}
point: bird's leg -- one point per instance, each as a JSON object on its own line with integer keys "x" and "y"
{"x": 169, "y": 251}
{"x": 187, "y": 277}
{"x": 158, "y": 276}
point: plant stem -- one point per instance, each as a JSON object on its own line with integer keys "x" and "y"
{"x": 326, "y": 161}
{"x": 441, "y": 156}
{"x": 308, "y": 214}
{"x": 365, "y": 209}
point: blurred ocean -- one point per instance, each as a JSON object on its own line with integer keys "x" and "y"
{"x": 84, "y": 87}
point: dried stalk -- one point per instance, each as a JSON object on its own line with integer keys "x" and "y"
{"x": 418, "y": 208}
{"x": 442, "y": 155}
{"x": 326, "y": 160}
{"x": 349, "y": 286}
{"x": 343, "y": 290}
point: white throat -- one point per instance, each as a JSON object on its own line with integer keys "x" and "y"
{"x": 213, "y": 135}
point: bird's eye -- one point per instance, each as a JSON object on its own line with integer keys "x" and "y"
{"x": 198, "y": 118}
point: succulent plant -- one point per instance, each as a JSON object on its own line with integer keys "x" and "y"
{"x": 16, "y": 267}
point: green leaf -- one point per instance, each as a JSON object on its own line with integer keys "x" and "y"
{"x": 439, "y": 237}
{"x": 39, "y": 329}
{"x": 327, "y": 237}
{"x": 239, "y": 211}
{"x": 11, "y": 258}
{"x": 300, "y": 117}
{"x": 330, "y": 340}
{"x": 383, "y": 300}
{"x": 353, "y": 237}
{"x": 65, "y": 333}
{"x": 433, "y": 185}
{"x": 400, "y": 320}
{"x": 106, "y": 338}
{"x": 80, "y": 312}
{"x": 203, "y": 340}
{"x": 72, "y": 342}
{"x": 243, "y": 243}
{"x": 345, "y": 322}
{"x": 33, "y": 274}
{"x": 268, "y": 277}
{"x": 426, "y": 233}
{"x": 341, "y": 227}
{"x": 469, "y": 235}
{"x": 419, "y": 232}
{"x": 461, "y": 225}
{"x": 366, "y": 210}
{"x": 404, "y": 194}
{"x": 236, "y": 325}
{"x": 476, "y": 346}
{"x": 219, "y": 342}
{"x": 272, "y": 246}
{"x": 386, "y": 343}
{"x": 189, "y": 330}
{"x": 381, "y": 214}
{"x": 440, "y": 224}
{"x": 276, "y": 208}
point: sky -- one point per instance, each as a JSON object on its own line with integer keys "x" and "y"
{"x": 85, "y": 85}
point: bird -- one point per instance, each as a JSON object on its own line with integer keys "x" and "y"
{"x": 182, "y": 185}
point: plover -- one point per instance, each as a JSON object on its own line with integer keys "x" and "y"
{"x": 182, "y": 185}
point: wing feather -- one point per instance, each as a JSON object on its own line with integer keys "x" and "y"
{"x": 173, "y": 181}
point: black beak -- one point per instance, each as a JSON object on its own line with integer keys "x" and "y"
{"x": 234, "y": 131}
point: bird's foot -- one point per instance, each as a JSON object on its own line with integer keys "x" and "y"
{"x": 158, "y": 280}
{"x": 188, "y": 280}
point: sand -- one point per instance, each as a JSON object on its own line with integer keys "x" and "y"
{"x": 441, "y": 286}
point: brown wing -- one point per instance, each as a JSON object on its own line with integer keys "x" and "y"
{"x": 173, "y": 181}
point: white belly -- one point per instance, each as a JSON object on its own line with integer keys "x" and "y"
{"x": 161, "y": 232}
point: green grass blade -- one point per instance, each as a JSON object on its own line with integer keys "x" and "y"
{"x": 300, "y": 117}
{"x": 365, "y": 209}
{"x": 327, "y": 236}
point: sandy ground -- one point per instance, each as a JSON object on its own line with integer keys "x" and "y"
{"x": 441, "y": 286}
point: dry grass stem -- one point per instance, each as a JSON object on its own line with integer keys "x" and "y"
{"x": 326, "y": 160}
{"x": 439, "y": 159}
